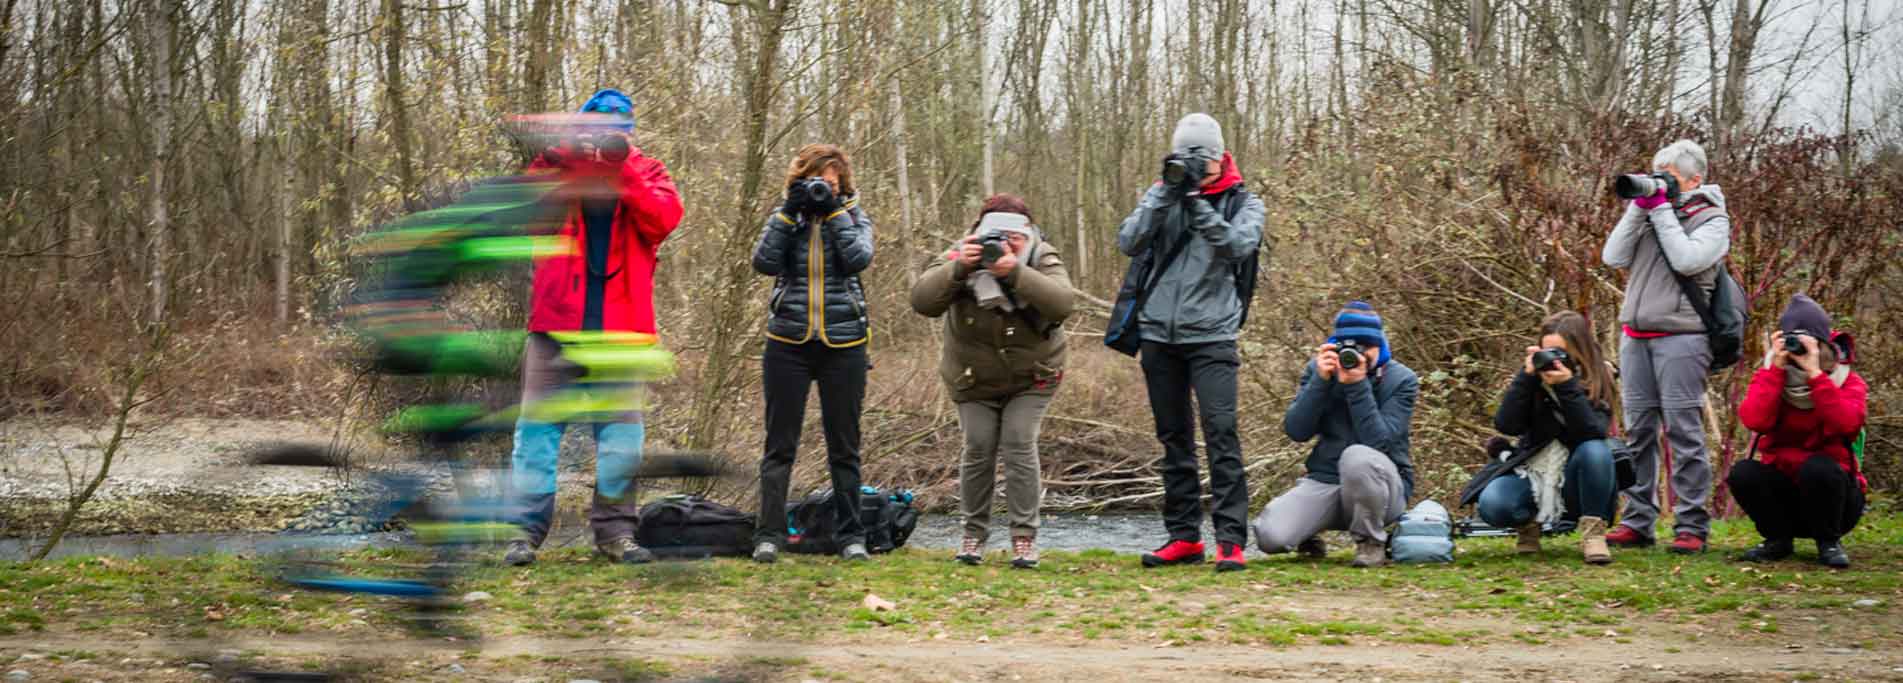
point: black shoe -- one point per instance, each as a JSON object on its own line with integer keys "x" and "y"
{"x": 766, "y": 553}
{"x": 1313, "y": 549}
{"x": 1831, "y": 554}
{"x": 1768, "y": 551}
{"x": 520, "y": 554}
{"x": 855, "y": 552}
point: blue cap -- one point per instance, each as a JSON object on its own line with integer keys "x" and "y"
{"x": 613, "y": 102}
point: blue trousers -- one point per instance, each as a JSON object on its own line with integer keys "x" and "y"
{"x": 532, "y": 465}
{"x": 1508, "y": 500}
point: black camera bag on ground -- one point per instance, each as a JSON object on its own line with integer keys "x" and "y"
{"x": 889, "y": 519}
{"x": 692, "y": 526}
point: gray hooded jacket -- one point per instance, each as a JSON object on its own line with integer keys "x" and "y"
{"x": 1195, "y": 300}
{"x": 1696, "y": 244}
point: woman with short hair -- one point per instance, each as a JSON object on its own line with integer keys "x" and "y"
{"x": 1004, "y": 294}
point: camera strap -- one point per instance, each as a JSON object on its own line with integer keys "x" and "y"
{"x": 1701, "y": 303}
{"x": 1158, "y": 267}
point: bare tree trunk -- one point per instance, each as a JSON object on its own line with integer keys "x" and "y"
{"x": 906, "y": 226}
{"x": 162, "y": 20}
{"x": 286, "y": 187}
{"x": 394, "y": 99}
{"x": 985, "y": 90}
{"x": 1745, "y": 24}
{"x": 769, "y": 20}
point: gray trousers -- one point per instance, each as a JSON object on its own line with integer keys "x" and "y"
{"x": 1663, "y": 385}
{"x": 1001, "y": 430}
{"x": 1369, "y": 498}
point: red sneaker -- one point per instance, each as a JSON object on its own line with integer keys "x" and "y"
{"x": 1687, "y": 543}
{"x": 1175, "y": 552}
{"x": 1229, "y": 557}
{"x": 1624, "y": 536}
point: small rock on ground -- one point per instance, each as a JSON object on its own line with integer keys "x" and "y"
{"x": 19, "y": 675}
{"x": 476, "y": 596}
{"x": 1866, "y": 603}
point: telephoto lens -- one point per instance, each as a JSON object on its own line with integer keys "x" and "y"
{"x": 1641, "y": 185}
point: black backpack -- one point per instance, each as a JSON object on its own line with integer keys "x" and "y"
{"x": 889, "y": 519}
{"x": 691, "y": 526}
{"x": 1724, "y": 314}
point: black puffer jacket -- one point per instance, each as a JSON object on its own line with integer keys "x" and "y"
{"x": 801, "y": 250}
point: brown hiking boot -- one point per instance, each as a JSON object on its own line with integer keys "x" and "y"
{"x": 1370, "y": 553}
{"x": 971, "y": 551}
{"x": 1024, "y": 552}
{"x": 1592, "y": 541}
{"x": 1529, "y": 543}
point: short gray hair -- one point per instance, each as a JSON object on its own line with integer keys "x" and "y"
{"x": 1687, "y": 156}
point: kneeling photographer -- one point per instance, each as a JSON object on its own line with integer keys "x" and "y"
{"x": 1809, "y": 408}
{"x": 1559, "y": 405}
{"x": 1359, "y": 401}
{"x": 1004, "y": 294}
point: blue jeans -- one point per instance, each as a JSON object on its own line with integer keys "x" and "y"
{"x": 1507, "y": 501}
{"x": 614, "y": 513}
{"x": 618, "y": 441}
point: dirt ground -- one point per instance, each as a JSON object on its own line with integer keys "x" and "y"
{"x": 520, "y": 658}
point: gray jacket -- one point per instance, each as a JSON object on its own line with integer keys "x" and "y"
{"x": 804, "y": 253}
{"x": 1195, "y": 300}
{"x": 1696, "y": 245}
{"x": 1377, "y": 412}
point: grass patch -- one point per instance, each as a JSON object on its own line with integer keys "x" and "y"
{"x": 1092, "y": 595}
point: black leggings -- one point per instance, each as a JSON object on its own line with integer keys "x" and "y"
{"x": 1823, "y": 503}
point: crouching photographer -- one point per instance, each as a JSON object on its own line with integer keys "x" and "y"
{"x": 1359, "y": 401}
{"x": 1004, "y": 294}
{"x": 1559, "y": 405}
{"x": 1808, "y": 408}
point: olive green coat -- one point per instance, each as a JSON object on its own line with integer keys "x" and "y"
{"x": 990, "y": 354}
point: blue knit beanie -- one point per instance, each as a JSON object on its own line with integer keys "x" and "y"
{"x": 613, "y": 102}
{"x": 1358, "y": 321}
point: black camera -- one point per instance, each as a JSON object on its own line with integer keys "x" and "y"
{"x": 1550, "y": 359}
{"x": 1641, "y": 185}
{"x": 612, "y": 147}
{"x": 1350, "y": 352}
{"x": 1183, "y": 172}
{"x": 992, "y": 246}
{"x": 810, "y": 194}
{"x": 1794, "y": 344}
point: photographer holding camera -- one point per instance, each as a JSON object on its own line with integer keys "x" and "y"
{"x": 1677, "y": 228}
{"x": 1004, "y": 294}
{"x": 814, "y": 247}
{"x": 1204, "y": 223}
{"x": 1360, "y": 401}
{"x": 617, "y": 207}
{"x": 1809, "y": 408}
{"x": 1560, "y": 405}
